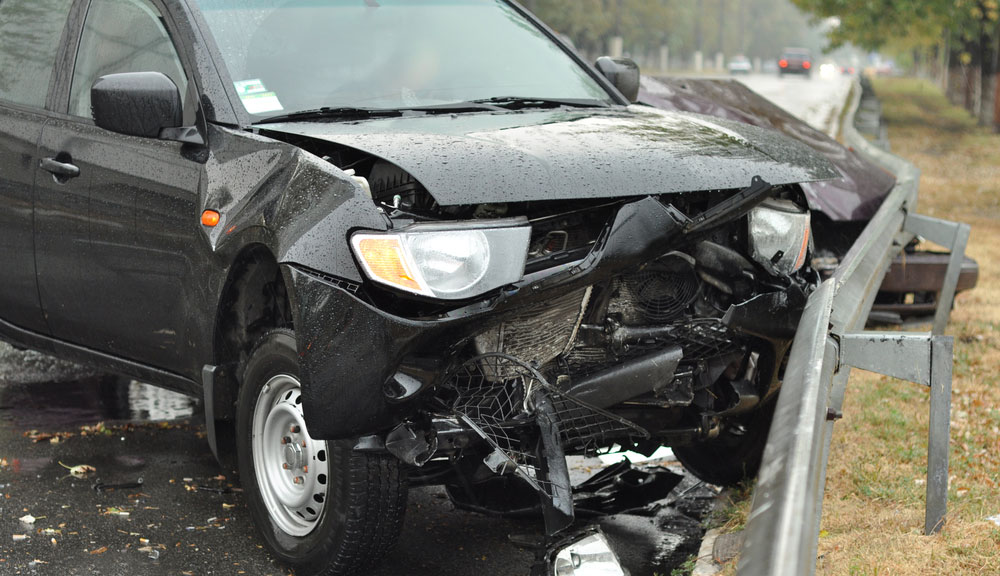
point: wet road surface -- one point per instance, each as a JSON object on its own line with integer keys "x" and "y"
{"x": 187, "y": 517}
{"x": 817, "y": 100}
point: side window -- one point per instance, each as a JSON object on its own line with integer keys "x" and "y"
{"x": 122, "y": 36}
{"x": 30, "y": 31}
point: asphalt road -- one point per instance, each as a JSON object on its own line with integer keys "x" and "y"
{"x": 817, "y": 99}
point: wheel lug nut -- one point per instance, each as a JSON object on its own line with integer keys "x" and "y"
{"x": 303, "y": 443}
{"x": 285, "y": 466}
{"x": 305, "y": 469}
{"x": 286, "y": 440}
{"x": 295, "y": 429}
{"x": 298, "y": 480}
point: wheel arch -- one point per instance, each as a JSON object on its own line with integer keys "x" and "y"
{"x": 253, "y": 300}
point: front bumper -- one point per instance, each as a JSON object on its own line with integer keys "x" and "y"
{"x": 363, "y": 369}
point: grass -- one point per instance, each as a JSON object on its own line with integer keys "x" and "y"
{"x": 686, "y": 568}
{"x": 874, "y": 504}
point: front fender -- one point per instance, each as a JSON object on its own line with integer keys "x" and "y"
{"x": 299, "y": 206}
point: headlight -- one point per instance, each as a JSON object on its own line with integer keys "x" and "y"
{"x": 779, "y": 236}
{"x": 446, "y": 261}
{"x": 590, "y": 556}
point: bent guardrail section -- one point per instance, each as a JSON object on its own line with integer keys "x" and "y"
{"x": 782, "y": 531}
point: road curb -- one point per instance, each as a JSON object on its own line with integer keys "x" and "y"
{"x": 705, "y": 564}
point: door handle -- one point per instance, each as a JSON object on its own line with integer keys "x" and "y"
{"x": 63, "y": 170}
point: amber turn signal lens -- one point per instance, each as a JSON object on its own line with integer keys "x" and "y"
{"x": 803, "y": 249}
{"x": 210, "y": 218}
{"x": 384, "y": 258}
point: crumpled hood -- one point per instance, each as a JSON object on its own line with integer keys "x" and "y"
{"x": 573, "y": 154}
{"x": 854, "y": 196}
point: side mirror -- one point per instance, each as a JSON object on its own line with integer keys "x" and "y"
{"x": 137, "y": 104}
{"x": 623, "y": 73}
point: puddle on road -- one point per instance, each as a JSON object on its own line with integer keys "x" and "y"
{"x": 43, "y": 393}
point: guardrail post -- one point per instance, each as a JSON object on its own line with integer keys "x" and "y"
{"x": 939, "y": 432}
{"x": 955, "y": 237}
{"x": 924, "y": 359}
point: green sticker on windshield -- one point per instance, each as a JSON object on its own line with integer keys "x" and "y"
{"x": 256, "y": 98}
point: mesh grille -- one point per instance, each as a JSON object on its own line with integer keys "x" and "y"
{"x": 501, "y": 410}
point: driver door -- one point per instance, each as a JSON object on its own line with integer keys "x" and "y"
{"x": 116, "y": 230}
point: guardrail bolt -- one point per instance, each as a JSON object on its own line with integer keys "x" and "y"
{"x": 833, "y": 415}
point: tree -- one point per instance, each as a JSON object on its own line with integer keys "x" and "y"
{"x": 757, "y": 28}
{"x": 971, "y": 29}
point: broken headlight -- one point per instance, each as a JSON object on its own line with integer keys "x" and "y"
{"x": 447, "y": 261}
{"x": 779, "y": 236}
{"x": 591, "y": 555}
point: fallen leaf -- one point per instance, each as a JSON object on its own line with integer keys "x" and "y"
{"x": 80, "y": 470}
{"x": 100, "y": 550}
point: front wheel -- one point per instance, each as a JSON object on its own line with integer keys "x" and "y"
{"x": 320, "y": 506}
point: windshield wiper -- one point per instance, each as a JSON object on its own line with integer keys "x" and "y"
{"x": 348, "y": 113}
{"x": 339, "y": 113}
{"x": 522, "y": 102}
{"x": 483, "y": 105}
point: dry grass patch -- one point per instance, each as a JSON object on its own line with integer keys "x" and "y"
{"x": 874, "y": 504}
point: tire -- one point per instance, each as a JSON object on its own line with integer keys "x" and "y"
{"x": 732, "y": 457}
{"x": 332, "y": 511}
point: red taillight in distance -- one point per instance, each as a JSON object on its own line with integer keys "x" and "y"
{"x": 806, "y": 65}
{"x": 783, "y": 63}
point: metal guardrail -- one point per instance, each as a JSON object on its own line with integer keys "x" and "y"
{"x": 782, "y": 531}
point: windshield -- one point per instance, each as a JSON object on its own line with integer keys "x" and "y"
{"x": 286, "y": 56}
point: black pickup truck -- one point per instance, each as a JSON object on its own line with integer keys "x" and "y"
{"x": 394, "y": 242}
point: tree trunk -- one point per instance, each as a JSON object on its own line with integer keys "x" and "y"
{"x": 697, "y": 28}
{"x": 988, "y": 81}
{"x": 722, "y": 28}
{"x": 945, "y": 63}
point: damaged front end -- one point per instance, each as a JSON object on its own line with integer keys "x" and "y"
{"x": 609, "y": 324}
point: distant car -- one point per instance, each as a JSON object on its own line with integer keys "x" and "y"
{"x": 795, "y": 61}
{"x": 740, "y": 65}
{"x": 828, "y": 70}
